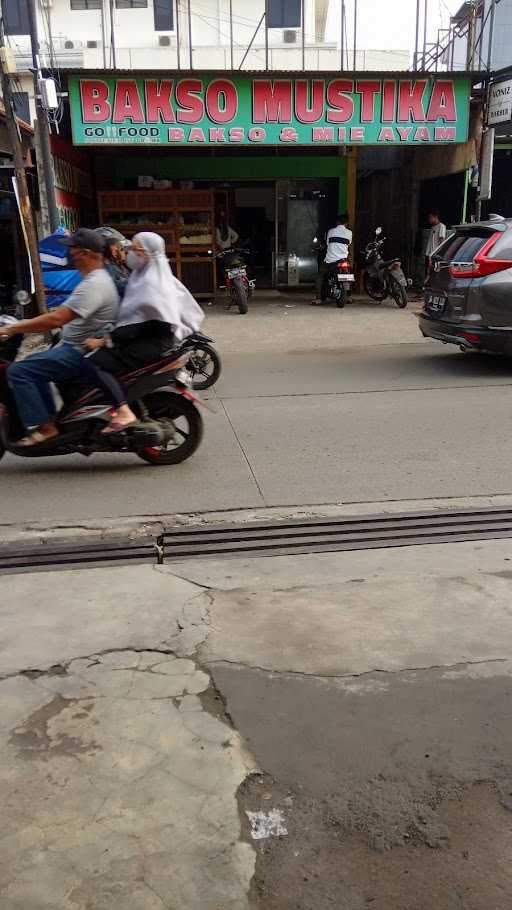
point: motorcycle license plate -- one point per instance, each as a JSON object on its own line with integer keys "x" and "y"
{"x": 234, "y": 273}
{"x": 345, "y": 276}
{"x": 399, "y": 276}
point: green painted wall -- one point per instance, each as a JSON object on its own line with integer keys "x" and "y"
{"x": 244, "y": 167}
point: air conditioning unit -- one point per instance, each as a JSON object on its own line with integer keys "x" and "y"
{"x": 290, "y": 36}
{"x": 69, "y": 45}
{"x": 164, "y": 40}
{"x": 92, "y": 44}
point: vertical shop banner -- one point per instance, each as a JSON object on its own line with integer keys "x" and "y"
{"x": 241, "y": 110}
{"x": 73, "y": 184}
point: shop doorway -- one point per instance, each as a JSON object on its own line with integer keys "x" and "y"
{"x": 305, "y": 210}
{"x": 279, "y": 221}
{"x": 250, "y": 210}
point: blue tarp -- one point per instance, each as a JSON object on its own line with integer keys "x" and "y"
{"x": 59, "y": 279}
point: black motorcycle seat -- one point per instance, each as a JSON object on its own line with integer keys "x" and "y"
{"x": 90, "y": 393}
{"x": 387, "y": 262}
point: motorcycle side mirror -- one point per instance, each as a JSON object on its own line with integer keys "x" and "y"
{"x": 378, "y": 231}
{"x": 22, "y": 298}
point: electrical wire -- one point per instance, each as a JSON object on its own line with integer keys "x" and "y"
{"x": 224, "y": 35}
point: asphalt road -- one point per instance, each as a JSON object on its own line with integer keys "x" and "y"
{"x": 390, "y": 422}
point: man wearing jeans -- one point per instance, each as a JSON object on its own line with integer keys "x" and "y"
{"x": 89, "y": 311}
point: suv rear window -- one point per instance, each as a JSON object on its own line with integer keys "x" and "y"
{"x": 462, "y": 247}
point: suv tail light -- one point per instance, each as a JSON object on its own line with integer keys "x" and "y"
{"x": 482, "y": 265}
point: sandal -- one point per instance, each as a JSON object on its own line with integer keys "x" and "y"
{"x": 35, "y": 439}
{"x": 116, "y": 427}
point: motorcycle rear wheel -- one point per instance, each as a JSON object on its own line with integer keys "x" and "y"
{"x": 372, "y": 290}
{"x": 175, "y": 407}
{"x": 240, "y": 296}
{"x": 341, "y": 299}
{"x": 399, "y": 294}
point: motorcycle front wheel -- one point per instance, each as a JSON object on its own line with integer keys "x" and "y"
{"x": 399, "y": 294}
{"x": 239, "y": 293}
{"x": 187, "y": 426}
{"x": 204, "y": 366}
{"x": 374, "y": 289}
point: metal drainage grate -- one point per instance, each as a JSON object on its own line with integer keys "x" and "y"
{"x": 266, "y": 539}
{"x": 41, "y": 556}
{"x": 334, "y": 534}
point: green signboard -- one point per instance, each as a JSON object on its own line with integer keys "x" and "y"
{"x": 198, "y": 109}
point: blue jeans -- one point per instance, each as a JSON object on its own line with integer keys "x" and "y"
{"x": 29, "y": 381}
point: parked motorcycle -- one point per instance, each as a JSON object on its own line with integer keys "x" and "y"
{"x": 338, "y": 282}
{"x": 204, "y": 363}
{"x": 238, "y": 285}
{"x": 170, "y": 426}
{"x": 383, "y": 278}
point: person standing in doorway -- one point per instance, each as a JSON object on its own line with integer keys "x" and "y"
{"x": 436, "y": 236}
{"x": 226, "y": 237}
{"x": 338, "y": 241}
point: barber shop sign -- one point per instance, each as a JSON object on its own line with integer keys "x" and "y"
{"x": 197, "y": 109}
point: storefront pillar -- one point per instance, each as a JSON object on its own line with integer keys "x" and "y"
{"x": 351, "y": 190}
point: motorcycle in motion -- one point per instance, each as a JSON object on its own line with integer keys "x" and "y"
{"x": 383, "y": 278}
{"x": 239, "y": 286}
{"x": 169, "y": 430}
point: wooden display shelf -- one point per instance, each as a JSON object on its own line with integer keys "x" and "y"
{"x": 176, "y": 204}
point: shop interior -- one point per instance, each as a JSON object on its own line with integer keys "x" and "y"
{"x": 269, "y": 196}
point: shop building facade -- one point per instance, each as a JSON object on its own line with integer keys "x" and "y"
{"x": 278, "y": 152}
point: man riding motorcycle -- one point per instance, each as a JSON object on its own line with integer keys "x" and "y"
{"x": 90, "y": 311}
{"x": 338, "y": 242}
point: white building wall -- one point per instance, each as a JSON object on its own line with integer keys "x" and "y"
{"x": 137, "y": 45}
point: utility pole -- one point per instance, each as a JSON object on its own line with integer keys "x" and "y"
{"x": 42, "y": 123}
{"x": 417, "y": 37}
{"x": 354, "y": 65}
{"x": 490, "y": 39}
{"x": 21, "y": 182}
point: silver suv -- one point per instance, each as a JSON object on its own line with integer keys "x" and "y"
{"x": 468, "y": 295}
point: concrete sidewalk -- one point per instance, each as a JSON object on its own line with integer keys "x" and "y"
{"x": 280, "y": 733}
{"x": 286, "y": 322}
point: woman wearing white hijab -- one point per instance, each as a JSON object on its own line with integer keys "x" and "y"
{"x": 156, "y": 309}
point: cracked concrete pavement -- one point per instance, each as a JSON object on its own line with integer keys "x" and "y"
{"x": 364, "y": 697}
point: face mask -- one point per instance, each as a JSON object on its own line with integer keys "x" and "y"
{"x": 135, "y": 261}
